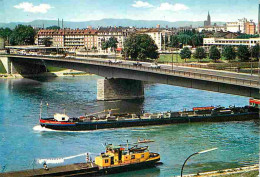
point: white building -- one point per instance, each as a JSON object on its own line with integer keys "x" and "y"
{"x": 213, "y": 28}
{"x": 220, "y": 42}
{"x": 239, "y": 26}
{"x": 104, "y": 34}
{"x": 158, "y": 35}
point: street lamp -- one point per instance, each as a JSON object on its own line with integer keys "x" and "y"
{"x": 201, "y": 152}
{"x": 172, "y": 60}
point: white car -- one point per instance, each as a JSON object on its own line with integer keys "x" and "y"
{"x": 115, "y": 61}
{"x": 70, "y": 57}
{"x": 155, "y": 65}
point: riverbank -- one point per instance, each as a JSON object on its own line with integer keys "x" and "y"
{"x": 250, "y": 171}
{"x": 63, "y": 73}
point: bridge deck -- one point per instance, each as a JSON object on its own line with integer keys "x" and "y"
{"x": 240, "y": 79}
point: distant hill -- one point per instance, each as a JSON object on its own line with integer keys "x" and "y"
{"x": 109, "y": 22}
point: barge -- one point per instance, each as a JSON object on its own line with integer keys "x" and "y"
{"x": 115, "y": 159}
{"x": 197, "y": 114}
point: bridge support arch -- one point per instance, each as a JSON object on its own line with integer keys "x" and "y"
{"x": 119, "y": 89}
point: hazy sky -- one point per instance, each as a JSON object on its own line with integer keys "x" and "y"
{"x": 170, "y": 10}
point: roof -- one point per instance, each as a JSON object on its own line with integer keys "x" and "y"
{"x": 111, "y": 30}
{"x": 66, "y": 31}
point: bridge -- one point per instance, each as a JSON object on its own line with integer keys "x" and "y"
{"x": 125, "y": 80}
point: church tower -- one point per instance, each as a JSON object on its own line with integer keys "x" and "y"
{"x": 209, "y": 19}
{"x": 207, "y": 23}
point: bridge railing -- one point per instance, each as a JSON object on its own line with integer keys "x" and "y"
{"x": 253, "y": 82}
{"x": 194, "y": 75}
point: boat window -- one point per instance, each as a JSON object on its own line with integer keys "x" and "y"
{"x": 142, "y": 156}
{"x": 63, "y": 118}
{"x": 106, "y": 160}
{"x": 133, "y": 157}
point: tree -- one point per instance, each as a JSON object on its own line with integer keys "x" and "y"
{"x": 255, "y": 51}
{"x": 229, "y": 53}
{"x": 243, "y": 53}
{"x": 185, "y": 53}
{"x": 5, "y": 33}
{"x": 247, "y": 36}
{"x": 140, "y": 46}
{"x": 22, "y": 35}
{"x": 184, "y": 39}
{"x": 104, "y": 44}
{"x": 214, "y": 53}
{"x": 197, "y": 40}
{"x": 47, "y": 42}
{"x": 112, "y": 43}
{"x": 174, "y": 41}
{"x": 54, "y": 27}
{"x": 200, "y": 53}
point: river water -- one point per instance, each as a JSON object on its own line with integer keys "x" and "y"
{"x": 22, "y": 141}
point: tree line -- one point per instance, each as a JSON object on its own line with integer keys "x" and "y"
{"x": 243, "y": 53}
{"x": 20, "y": 35}
{"x": 186, "y": 37}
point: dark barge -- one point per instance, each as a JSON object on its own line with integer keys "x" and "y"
{"x": 198, "y": 114}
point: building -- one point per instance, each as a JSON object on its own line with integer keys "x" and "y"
{"x": 158, "y": 35}
{"x": 233, "y": 27}
{"x": 74, "y": 39}
{"x": 103, "y": 34}
{"x": 239, "y": 26}
{"x": 212, "y": 28}
{"x": 221, "y": 42}
{"x": 250, "y": 28}
{"x": 208, "y": 21}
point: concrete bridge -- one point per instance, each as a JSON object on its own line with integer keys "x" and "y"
{"x": 124, "y": 80}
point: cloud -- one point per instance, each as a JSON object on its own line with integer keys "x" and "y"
{"x": 172, "y": 7}
{"x": 29, "y": 7}
{"x": 139, "y": 4}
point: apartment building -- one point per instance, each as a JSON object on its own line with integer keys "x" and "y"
{"x": 103, "y": 34}
{"x": 250, "y": 28}
{"x": 72, "y": 38}
{"x": 242, "y": 26}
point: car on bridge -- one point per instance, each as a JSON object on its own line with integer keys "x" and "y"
{"x": 137, "y": 64}
{"x": 115, "y": 61}
{"x": 155, "y": 65}
{"x": 70, "y": 57}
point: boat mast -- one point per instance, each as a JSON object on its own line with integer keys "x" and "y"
{"x": 127, "y": 146}
{"x": 40, "y": 110}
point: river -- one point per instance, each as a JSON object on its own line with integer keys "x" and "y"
{"x": 22, "y": 141}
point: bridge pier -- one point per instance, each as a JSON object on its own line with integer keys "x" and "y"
{"x": 8, "y": 65}
{"x": 119, "y": 89}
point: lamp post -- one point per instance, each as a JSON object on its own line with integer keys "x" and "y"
{"x": 172, "y": 60}
{"x": 201, "y": 152}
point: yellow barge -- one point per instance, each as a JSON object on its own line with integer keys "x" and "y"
{"x": 115, "y": 159}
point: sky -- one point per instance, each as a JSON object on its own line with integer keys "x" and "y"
{"x": 169, "y": 10}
